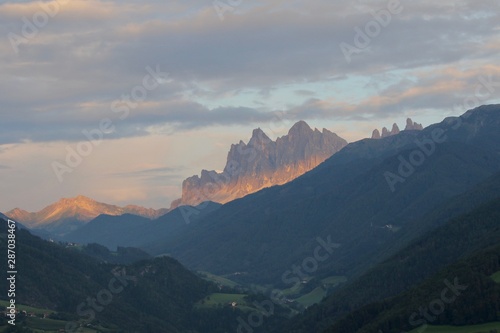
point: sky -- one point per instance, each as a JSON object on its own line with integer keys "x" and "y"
{"x": 122, "y": 100}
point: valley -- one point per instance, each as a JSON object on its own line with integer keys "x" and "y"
{"x": 233, "y": 166}
{"x": 334, "y": 250}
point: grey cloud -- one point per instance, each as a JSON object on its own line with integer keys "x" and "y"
{"x": 178, "y": 114}
{"x": 74, "y": 62}
{"x": 446, "y": 90}
{"x": 164, "y": 175}
{"x": 436, "y": 90}
{"x": 163, "y": 171}
{"x": 258, "y": 48}
{"x": 303, "y": 92}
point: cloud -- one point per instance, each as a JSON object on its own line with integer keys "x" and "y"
{"x": 442, "y": 87}
{"x": 154, "y": 175}
{"x": 176, "y": 114}
{"x": 266, "y": 61}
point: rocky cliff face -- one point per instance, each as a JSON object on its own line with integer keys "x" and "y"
{"x": 410, "y": 125}
{"x": 262, "y": 163}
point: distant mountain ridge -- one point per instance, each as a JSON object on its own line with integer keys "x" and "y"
{"x": 262, "y": 163}
{"x": 132, "y": 230}
{"x": 410, "y": 126}
{"x": 79, "y": 209}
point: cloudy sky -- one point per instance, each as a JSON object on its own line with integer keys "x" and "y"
{"x": 162, "y": 88}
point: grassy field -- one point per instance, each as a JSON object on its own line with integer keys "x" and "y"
{"x": 40, "y": 325}
{"x": 50, "y": 325}
{"x": 313, "y": 297}
{"x": 485, "y": 328}
{"x": 496, "y": 277}
{"x": 43, "y": 324}
{"x": 257, "y": 288}
{"x": 219, "y": 280}
{"x": 220, "y": 299}
{"x": 334, "y": 280}
{"x": 294, "y": 290}
{"x": 46, "y": 325}
{"x": 27, "y": 308}
{"x": 318, "y": 293}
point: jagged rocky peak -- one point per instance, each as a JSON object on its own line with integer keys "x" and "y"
{"x": 299, "y": 129}
{"x": 261, "y": 163}
{"x": 410, "y": 125}
{"x": 259, "y": 138}
{"x": 395, "y": 129}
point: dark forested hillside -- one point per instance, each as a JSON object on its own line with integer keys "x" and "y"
{"x": 459, "y": 238}
{"x": 461, "y": 294}
{"x": 157, "y": 295}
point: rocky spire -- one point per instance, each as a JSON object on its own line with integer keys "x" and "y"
{"x": 395, "y": 129}
{"x": 410, "y": 125}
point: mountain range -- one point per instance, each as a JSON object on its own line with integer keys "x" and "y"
{"x": 358, "y": 243}
{"x": 350, "y": 192}
{"x": 250, "y": 167}
{"x": 262, "y": 163}
{"x": 70, "y": 213}
{"x": 348, "y": 198}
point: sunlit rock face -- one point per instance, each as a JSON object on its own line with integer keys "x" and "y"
{"x": 262, "y": 163}
{"x": 81, "y": 209}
